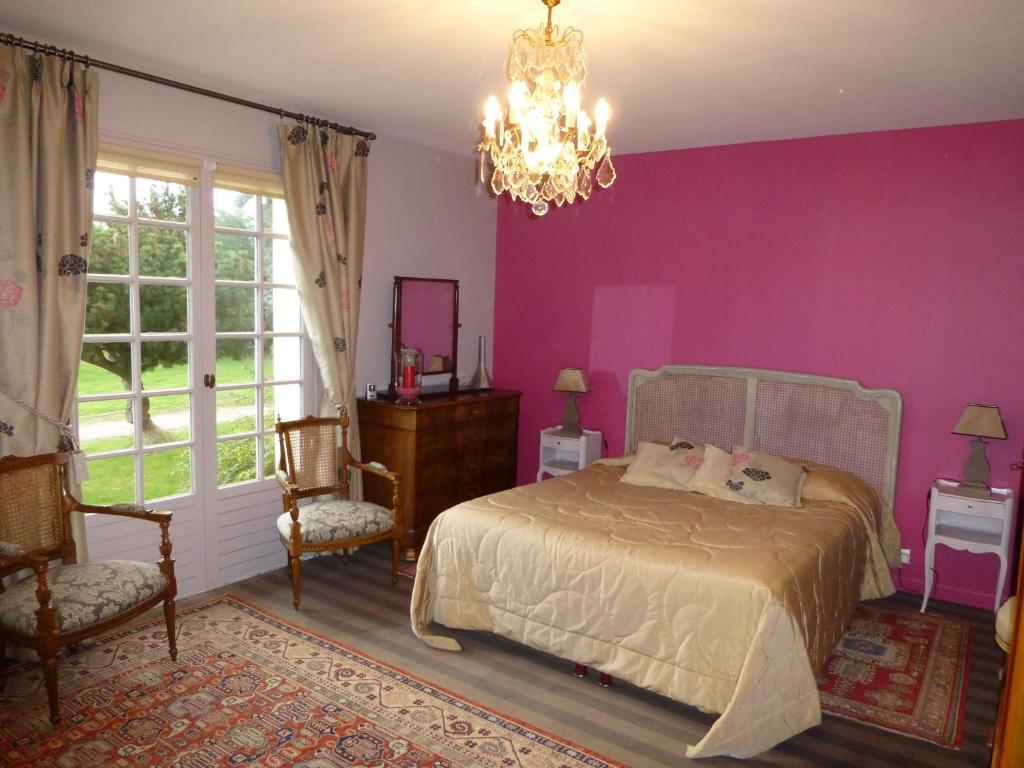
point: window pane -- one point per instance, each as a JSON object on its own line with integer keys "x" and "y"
{"x": 235, "y": 257}
{"x": 163, "y": 308}
{"x": 109, "y": 248}
{"x": 270, "y": 449}
{"x": 236, "y": 411}
{"x": 282, "y": 358}
{"x": 110, "y": 481}
{"x": 107, "y": 306}
{"x": 166, "y": 419}
{"x": 284, "y": 401}
{"x": 110, "y": 194}
{"x": 235, "y": 308}
{"x": 106, "y": 367}
{"x": 165, "y": 365}
{"x": 161, "y": 200}
{"x": 277, "y": 261}
{"x": 166, "y": 473}
{"x": 163, "y": 252}
{"x": 275, "y": 216}
{"x": 236, "y": 461}
{"x": 105, "y": 425}
{"x": 234, "y": 209}
{"x": 236, "y": 361}
{"x": 281, "y": 310}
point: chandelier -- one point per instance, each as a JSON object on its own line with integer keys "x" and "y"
{"x": 543, "y": 148}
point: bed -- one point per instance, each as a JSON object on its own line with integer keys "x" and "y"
{"x": 728, "y": 607}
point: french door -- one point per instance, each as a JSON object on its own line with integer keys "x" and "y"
{"x": 194, "y": 346}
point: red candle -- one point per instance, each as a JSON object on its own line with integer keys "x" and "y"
{"x": 409, "y": 376}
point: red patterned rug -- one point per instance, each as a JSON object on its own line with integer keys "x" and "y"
{"x": 903, "y": 671}
{"x": 249, "y": 689}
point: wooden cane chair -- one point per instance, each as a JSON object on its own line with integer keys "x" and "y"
{"x": 309, "y": 466}
{"x": 67, "y": 603}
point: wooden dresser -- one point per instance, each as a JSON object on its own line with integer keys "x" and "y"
{"x": 449, "y": 449}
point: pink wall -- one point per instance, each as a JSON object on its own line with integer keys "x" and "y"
{"x": 895, "y": 258}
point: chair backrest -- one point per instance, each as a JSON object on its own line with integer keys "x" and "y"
{"x": 34, "y": 507}
{"x": 309, "y": 453}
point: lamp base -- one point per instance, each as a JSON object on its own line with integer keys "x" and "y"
{"x": 571, "y": 419}
{"x": 976, "y": 468}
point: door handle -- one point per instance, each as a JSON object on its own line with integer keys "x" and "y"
{"x": 209, "y": 380}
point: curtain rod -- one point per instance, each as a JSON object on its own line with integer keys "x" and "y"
{"x": 6, "y": 38}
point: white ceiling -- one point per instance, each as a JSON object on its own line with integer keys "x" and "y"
{"x": 678, "y": 73}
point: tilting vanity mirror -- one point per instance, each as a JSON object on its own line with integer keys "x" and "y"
{"x": 426, "y": 317}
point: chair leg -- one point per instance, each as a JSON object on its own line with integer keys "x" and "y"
{"x": 395, "y": 558}
{"x": 172, "y": 642}
{"x": 50, "y": 675}
{"x": 344, "y": 556}
{"x": 296, "y": 580}
{"x": 289, "y": 564}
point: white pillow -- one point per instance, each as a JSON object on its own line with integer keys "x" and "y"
{"x": 644, "y": 468}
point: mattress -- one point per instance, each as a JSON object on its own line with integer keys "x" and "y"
{"x": 725, "y": 606}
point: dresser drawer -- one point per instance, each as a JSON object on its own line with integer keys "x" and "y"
{"x": 467, "y": 412}
{"x": 962, "y": 506}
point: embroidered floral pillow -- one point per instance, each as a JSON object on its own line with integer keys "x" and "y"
{"x": 660, "y": 466}
{"x": 764, "y": 478}
{"x": 684, "y": 459}
{"x": 713, "y": 474}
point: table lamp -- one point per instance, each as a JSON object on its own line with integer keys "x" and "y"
{"x": 571, "y": 380}
{"x": 978, "y": 421}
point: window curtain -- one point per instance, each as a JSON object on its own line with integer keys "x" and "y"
{"x": 48, "y": 110}
{"x": 325, "y": 191}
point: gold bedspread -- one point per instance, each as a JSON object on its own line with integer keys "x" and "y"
{"x": 725, "y": 606}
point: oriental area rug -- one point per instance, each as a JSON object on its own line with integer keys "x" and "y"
{"x": 900, "y": 670}
{"x": 248, "y": 690}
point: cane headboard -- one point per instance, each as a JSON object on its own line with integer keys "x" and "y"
{"x": 830, "y": 421}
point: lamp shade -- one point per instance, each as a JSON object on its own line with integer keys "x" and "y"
{"x": 981, "y": 421}
{"x": 572, "y": 380}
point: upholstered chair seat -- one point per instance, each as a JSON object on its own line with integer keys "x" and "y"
{"x": 82, "y": 595}
{"x": 337, "y": 520}
{"x": 1004, "y": 620}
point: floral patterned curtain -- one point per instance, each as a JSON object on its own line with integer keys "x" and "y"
{"x": 48, "y": 109}
{"x": 325, "y": 189}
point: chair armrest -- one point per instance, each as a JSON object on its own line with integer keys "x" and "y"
{"x": 127, "y": 510}
{"x": 16, "y": 555}
{"x": 376, "y": 468}
{"x": 286, "y": 485}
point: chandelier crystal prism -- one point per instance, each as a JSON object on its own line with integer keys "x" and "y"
{"x": 543, "y": 148}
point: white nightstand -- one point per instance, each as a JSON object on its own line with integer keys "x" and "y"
{"x": 968, "y": 523}
{"x": 560, "y": 455}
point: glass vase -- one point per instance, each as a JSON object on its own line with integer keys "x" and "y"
{"x": 408, "y": 376}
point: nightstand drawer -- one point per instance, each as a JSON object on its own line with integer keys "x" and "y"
{"x": 963, "y": 506}
{"x": 556, "y": 442}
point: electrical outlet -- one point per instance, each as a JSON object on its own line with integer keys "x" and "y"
{"x": 905, "y": 556}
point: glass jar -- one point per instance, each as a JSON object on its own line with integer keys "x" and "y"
{"x": 408, "y": 375}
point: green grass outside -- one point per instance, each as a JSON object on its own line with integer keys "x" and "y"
{"x": 165, "y": 473}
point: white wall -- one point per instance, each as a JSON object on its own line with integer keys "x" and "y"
{"x": 426, "y": 217}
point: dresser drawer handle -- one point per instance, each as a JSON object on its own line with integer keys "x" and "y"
{"x": 474, "y": 411}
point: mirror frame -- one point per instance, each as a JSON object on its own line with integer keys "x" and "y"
{"x": 396, "y": 331}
